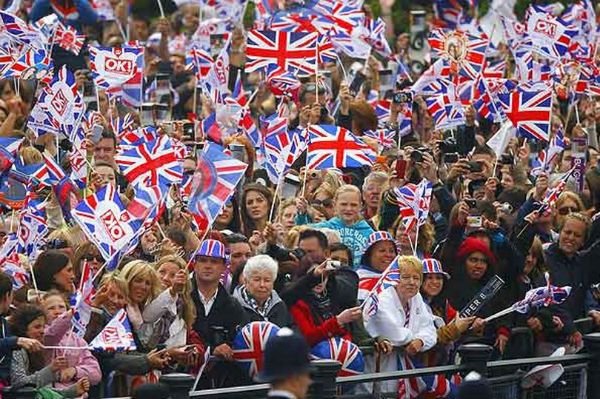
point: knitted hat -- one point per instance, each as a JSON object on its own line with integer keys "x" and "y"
{"x": 433, "y": 266}
{"x": 472, "y": 244}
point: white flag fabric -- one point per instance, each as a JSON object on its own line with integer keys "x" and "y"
{"x": 499, "y": 141}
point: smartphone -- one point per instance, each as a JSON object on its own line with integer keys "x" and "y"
{"x": 471, "y": 202}
{"x": 402, "y": 97}
{"x": 451, "y": 157}
{"x": 147, "y": 115}
{"x": 400, "y": 168}
{"x": 97, "y": 131}
{"x": 189, "y": 132}
{"x": 356, "y": 84}
{"x": 291, "y": 184}
{"x": 475, "y": 166}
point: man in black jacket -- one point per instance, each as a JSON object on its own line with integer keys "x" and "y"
{"x": 218, "y": 316}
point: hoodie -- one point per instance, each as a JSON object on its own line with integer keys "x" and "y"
{"x": 276, "y": 312}
{"x": 354, "y": 236}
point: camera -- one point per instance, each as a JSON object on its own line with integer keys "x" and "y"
{"x": 475, "y": 166}
{"x": 471, "y": 203}
{"x": 402, "y": 97}
{"x": 448, "y": 145}
{"x": 416, "y": 156}
{"x": 451, "y": 157}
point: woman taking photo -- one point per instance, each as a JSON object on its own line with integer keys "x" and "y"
{"x": 317, "y": 299}
{"x": 257, "y": 297}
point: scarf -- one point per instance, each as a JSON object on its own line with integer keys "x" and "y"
{"x": 250, "y": 301}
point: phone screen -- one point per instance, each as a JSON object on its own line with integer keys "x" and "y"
{"x": 400, "y": 168}
{"x": 358, "y": 81}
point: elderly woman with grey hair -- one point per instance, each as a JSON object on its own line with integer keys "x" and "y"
{"x": 256, "y": 295}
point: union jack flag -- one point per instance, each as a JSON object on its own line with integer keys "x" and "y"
{"x": 294, "y": 22}
{"x": 375, "y": 36}
{"x": 384, "y": 137}
{"x": 547, "y": 157}
{"x": 209, "y": 128}
{"x": 282, "y": 82}
{"x": 116, "y": 336}
{"x": 389, "y": 278}
{"x": 542, "y": 296}
{"x": 148, "y": 203}
{"x": 8, "y": 149}
{"x": 19, "y": 31}
{"x": 105, "y": 221}
{"x": 336, "y": 147}
{"x": 11, "y": 265}
{"x": 467, "y": 50}
{"x": 54, "y": 170}
{"x": 135, "y": 137}
{"x": 152, "y": 163}
{"x": 487, "y": 105}
{"x": 216, "y": 177}
{"x": 82, "y": 303}
{"x": 436, "y": 385}
{"x": 382, "y": 110}
{"x": 69, "y": 39}
{"x": 62, "y": 101}
{"x": 289, "y": 50}
{"x": 199, "y": 62}
{"x": 337, "y": 16}
{"x": 445, "y": 112}
{"x": 448, "y": 13}
{"x": 31, "y": 64}
{"x": 281, "y": 150}
{"x": 352, "y": 45}
{"x": 326, "y": 49}
{"x": 408, "y": 200}
{"x": 495, "y": 70}
{"x": 550, "y": 36}
{"x": 250, "y": 343}
{"x": 553, "y": 193}
{"x": 529, "y": 112}
{"x": 424, "y": 193}
{"x": 32, "y": 226}
{"x": 342, "y": 351}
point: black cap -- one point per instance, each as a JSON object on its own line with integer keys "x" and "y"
{"x": 286, "y": 354}
{"x": 474, "y": 387}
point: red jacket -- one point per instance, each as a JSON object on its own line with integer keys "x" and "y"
{"x": 313, "y": 332}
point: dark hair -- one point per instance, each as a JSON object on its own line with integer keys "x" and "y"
{"x": 46, "y": 266}
{"x": 236, "y": 238}
{"x": 177, "y": 236}
{"x": 249, "y": 225}
{"x": 6, "y": 286}
{"x": 319, "y": 235}
{"x": 19, "y": 321}
{"x": 235, "y": 224}
{"x": 338, "y": 246}
{"x": 485, "y": 150}
{"x": 107, "y": 134}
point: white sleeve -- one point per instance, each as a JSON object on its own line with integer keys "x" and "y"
{"x": 159, "y": 306}
{"x": 426, "y": 329}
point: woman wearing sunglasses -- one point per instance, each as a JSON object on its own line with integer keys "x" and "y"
{"x": 87, "y": 252}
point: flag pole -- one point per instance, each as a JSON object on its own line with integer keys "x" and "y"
{"x": 275, "y": 198}
{"x": 317, "y": 72}
{"x": 160, "y": 7}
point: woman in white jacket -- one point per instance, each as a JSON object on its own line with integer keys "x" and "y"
{"x": 403, "y": 319}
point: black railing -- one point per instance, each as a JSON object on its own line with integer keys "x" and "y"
{"x": 580, "y": 380}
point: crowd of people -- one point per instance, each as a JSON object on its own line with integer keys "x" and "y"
{"x": 306, "y": 256}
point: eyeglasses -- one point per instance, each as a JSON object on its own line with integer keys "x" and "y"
{"x": 326, "y": 203}
{"x": 90, "y": 257}
{"x": 477, "y": 260}
{"x": 565, "y": 210}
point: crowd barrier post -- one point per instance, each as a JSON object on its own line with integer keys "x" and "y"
{"x": 179, "y": 384}
{"x": 592, "y": 344}
{"x": 323, "y": 379}
{"x": 475, "y": 357}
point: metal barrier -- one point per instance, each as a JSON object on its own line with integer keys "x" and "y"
{"x": 580, "y": 380}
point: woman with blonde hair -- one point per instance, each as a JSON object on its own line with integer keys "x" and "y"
{"x": 143, "y": 285}
{"x": 168, "y": 317}
{"x": 403, "y": 318}
{"x": 567, "y": 202}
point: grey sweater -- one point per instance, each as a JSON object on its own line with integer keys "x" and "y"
{"x": 20, "y": 376}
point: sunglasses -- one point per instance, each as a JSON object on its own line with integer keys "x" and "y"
{"x": 90, "y": 257}
{"x": 56, "y": 244}
{"x": 565, "y": 210}
{"x": 326, "y": 203}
